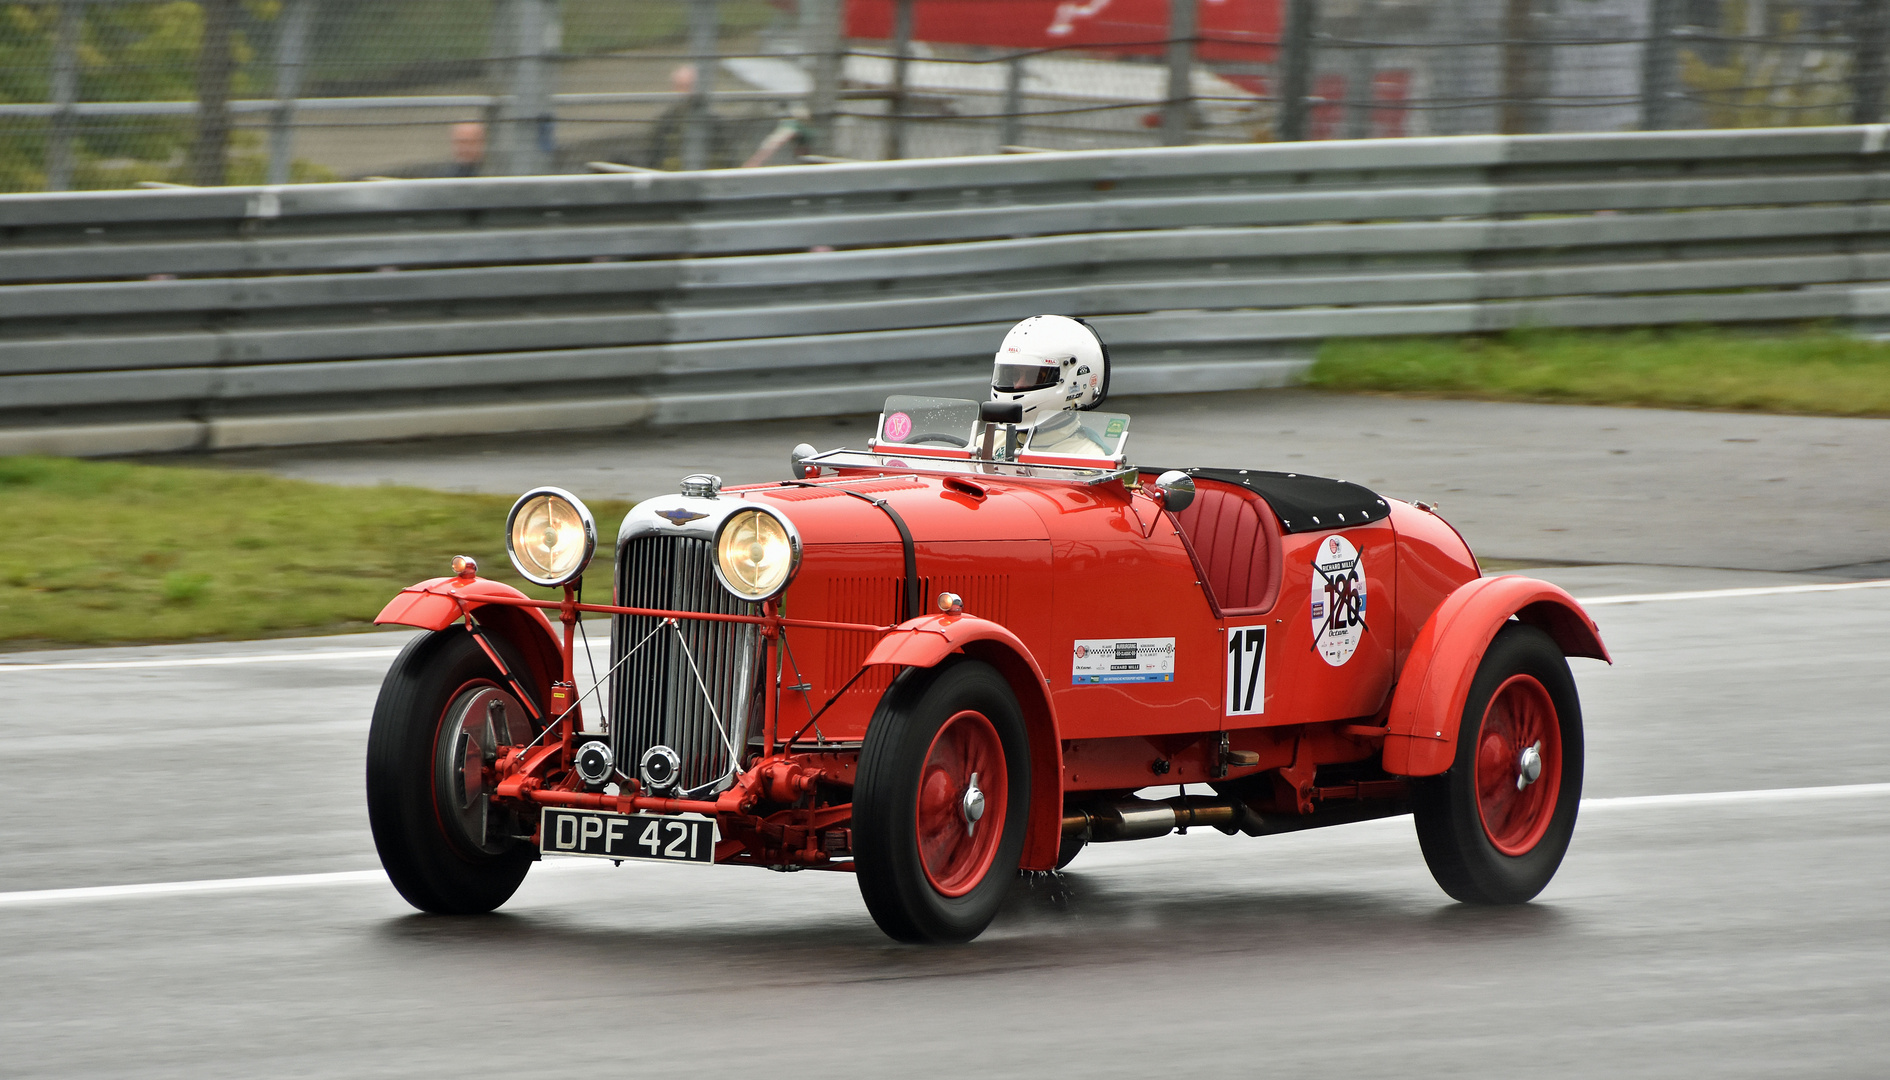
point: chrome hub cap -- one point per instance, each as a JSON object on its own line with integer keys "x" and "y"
{"x": 973, "y": 806}
{"x": 1529, "y": 765}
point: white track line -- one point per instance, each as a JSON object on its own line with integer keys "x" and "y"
{"x": 367, "y": 877}
{"x": 209, "y": 661}
{"x": 315, "y": 657}
{"x": 1717, "y": 594}
{"x": 1726, "y": 798}
{"x": 323, "y": 655}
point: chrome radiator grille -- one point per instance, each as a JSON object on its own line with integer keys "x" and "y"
{"x": 656, "y": 698}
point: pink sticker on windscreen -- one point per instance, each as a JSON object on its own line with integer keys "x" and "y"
{"x": 898, "y": 426}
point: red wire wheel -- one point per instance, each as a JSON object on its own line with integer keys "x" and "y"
{"x": 1519, "y": 721}
{"x": 446, "y": 848}
{"x": 940, "y": 802}
{"x": 963, "y": 777}
{"x": 1495, "y": 825}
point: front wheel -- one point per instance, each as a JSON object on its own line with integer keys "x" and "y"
{"x": 940, "y": 803}
{"x": 443, "y": 712}
{"x": 1494, "y": 827}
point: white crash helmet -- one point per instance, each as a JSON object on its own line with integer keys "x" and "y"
{"x": 1049, "y": 364}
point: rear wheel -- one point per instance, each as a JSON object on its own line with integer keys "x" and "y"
{"x": 443, "y": 711}
{"x": 1494, "y": 827}
{"x": 940, "y": 803}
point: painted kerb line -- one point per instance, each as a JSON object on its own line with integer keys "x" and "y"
{"x": 282, "y": 882}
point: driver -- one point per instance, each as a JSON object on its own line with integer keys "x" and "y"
{"x": 1053, "y": 366}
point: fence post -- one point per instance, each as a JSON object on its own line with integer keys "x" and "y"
{"x": 1871, "y": 28}
{"x": 1011, "y": 125}
{"x": 895, "y": 146}
{"x": 65, "y": 93}
{"x": 1295, "y": 66}
{"x": 1657, "y": 65}
{"x": 1525, "y": 70}
{"x": 820, "y": 54}
{"x": 699, "y": 127}
{"x": 1178, "y": 110}
{"x": 1360, "y": 65}
{"x": 291, "y": 54}
{"x": 528, "y": 135}
{"x": 216, "y": 64}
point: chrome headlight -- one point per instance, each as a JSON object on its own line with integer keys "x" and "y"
{"x": 550, "y": 536}
{"x": 756, "y": 554}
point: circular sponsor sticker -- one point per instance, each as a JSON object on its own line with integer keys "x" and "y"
{"x": 898, "y": 426}
{"x": 1338, "y": 599}
{"x": 1082, "y": 651}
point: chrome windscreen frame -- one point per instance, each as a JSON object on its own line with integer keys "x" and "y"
{"x": 883, "y": 461}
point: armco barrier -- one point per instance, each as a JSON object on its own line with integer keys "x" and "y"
{"x": 209, "y": 318}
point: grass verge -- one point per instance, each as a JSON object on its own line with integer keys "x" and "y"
{"x": 1812, "y": 370}
{"x": 100, "y": 552}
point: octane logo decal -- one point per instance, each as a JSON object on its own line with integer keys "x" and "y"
{"x": 680, "y": 517}
{"x": 1338, "y": 600}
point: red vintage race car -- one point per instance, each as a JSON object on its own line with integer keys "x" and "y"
{"x": 960, "y": 653}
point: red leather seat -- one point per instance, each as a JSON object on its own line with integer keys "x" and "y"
{"x": 1236, "y": 542}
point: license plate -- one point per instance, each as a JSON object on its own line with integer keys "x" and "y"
{"x": 684, "y": 838}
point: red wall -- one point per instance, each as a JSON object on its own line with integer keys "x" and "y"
{"x": 1231, "y": 29}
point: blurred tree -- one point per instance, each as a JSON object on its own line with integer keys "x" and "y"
{"x": 1759, "y": 83}
{"x": 127, "y": 52}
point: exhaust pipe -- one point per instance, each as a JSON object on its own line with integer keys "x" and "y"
{"x": 1143, "y": 819}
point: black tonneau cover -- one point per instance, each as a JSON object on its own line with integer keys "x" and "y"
{"x": 1304, "y": 503}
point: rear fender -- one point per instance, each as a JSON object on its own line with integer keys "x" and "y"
{"x": 927, "y": 641}
{"x": 1421, "y": 739}
{"x": 439, "y": 603}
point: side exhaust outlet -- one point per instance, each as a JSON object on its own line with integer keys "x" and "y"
{"x": 1109, "y": 821}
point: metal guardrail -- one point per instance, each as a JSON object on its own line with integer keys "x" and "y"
{"x": 227, "y": 317}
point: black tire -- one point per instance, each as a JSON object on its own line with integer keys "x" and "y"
{"x": 1463, "y": 854}
{"x": 1068, "y": 849}
{"x": 900, "y": 891}
{"x": 433, "y": 863}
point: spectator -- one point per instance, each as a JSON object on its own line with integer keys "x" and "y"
{"x": 469, "y": 148}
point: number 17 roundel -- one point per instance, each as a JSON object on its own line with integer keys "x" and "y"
{"x": 1245, "y": 692}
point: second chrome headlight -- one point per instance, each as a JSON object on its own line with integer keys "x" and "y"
{"x": 756, "y": 554}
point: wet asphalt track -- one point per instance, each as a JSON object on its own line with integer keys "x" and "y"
{"x": 1715, "y": 936}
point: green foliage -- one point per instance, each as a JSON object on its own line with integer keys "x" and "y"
{"x": 1751, "y": 85}
{"x": 1812, "y": 370}
{"x": 109, "y": 551}
{"x": 611, "y": 25}
{"x": 127, "y": 52}
{"x": 149, "y": 51}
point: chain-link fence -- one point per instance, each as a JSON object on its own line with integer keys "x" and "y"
{"x": 111, "y": 93}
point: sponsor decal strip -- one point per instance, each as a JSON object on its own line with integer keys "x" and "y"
{"x": 1102, "y": 661}
{"x": 364, "y": 877}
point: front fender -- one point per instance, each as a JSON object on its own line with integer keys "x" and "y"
{"x": 438, "y": 603}
{"x": 928, "y": 640}
{"x": 1427, "y": 707}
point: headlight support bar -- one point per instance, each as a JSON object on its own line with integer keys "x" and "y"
{"x": 768, "y": 623}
